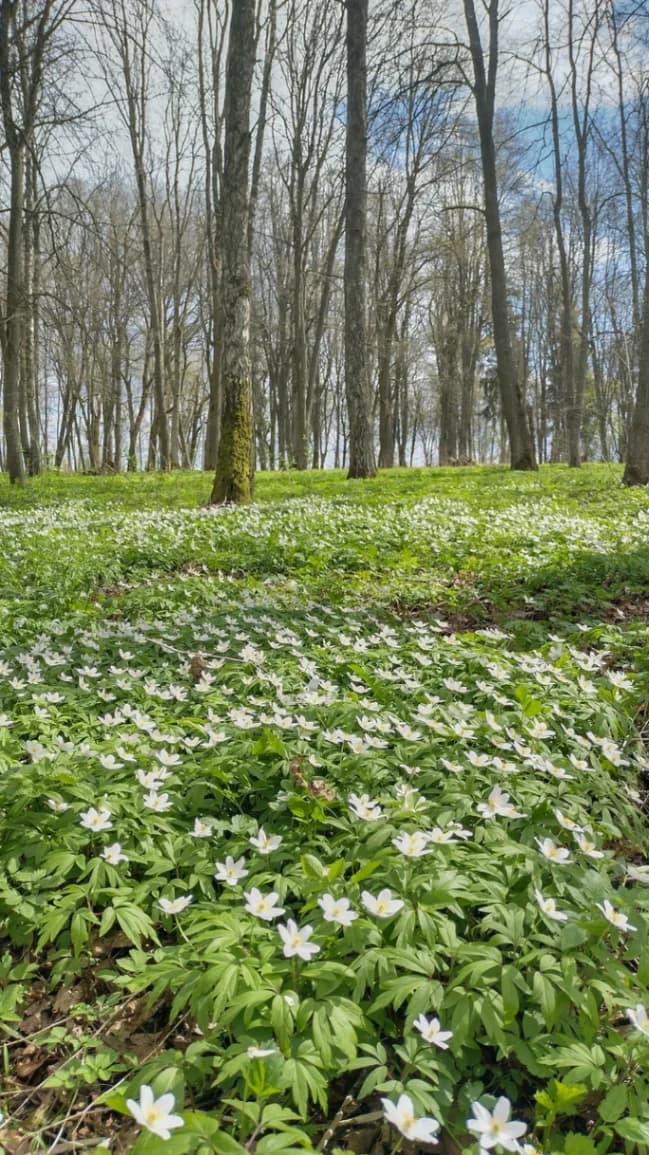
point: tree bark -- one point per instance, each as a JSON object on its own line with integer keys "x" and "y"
{"x": 14, "y": 291}
{"x": 521, "y": 444}
{"x": 636, "y": 467}
{"x": 361, "y": 448}
{"x": 234, "y": 477}
{"x": 566, "y": 362}
{"x": 14, "y": 322}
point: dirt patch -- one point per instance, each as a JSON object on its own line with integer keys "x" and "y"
{"x": 631, "y": 608}
{"x": 627, "y": 609}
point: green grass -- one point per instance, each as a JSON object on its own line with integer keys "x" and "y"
{"x": 557, "y": 544}
{"x": 425, "y": 639}
{"x": 484, "y": 484}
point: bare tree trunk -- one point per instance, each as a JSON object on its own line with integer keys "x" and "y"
{"x": 14, "y": 306}
{"x": 30, "y": 430}
{"x": 12, "y": 322}
{"x": 299, "y": 357}
{"x": 636, "y": 468}
{"x": 484, "y": 90}
{"x": 234, "y": 477}
{"x": 361, "y": 449}
{"x": 387, "y": 330}
{"x": 260, "y": 132}
{"x": 213, "y": 176}
{"x": 566, "y": 366}
{"x": 581, "y": 116}
{"x": 448, "y": 400}
{"x": 155, "y": 319}
{"x": 129, "y": 26}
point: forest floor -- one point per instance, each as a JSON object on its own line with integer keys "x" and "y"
{"x": 216, "y": 721}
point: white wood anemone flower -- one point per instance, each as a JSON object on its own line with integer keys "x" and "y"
{"x": 337, "y": 910}
{"x": 266, "y": 843}
{"x": 554, "y": 853}
{"x": 639, "y": 1017}
{"x": 155, "y": 1114}
{"x": 615, "y": 916}
{"x": 383, "y": 905}
{"x": 296, "y": 940}
{"x": 548, "y": 907}
{"x": 230, "y": 871}
{"x": 402, "y": 1116}
{"x": 94, "y": 819}
{"x": 262, "y": 905}
{"x": 175, "y": 905}
{"x": 430, "y": 1030}
{"x": 496, "y": 1128}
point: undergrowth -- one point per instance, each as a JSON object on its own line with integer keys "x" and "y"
{"x": 220, "y": 723}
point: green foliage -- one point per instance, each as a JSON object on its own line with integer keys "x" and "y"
{"x": 200, "y": 674}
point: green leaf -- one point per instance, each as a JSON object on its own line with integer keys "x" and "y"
{"x": 313, "y": 867}
{"x": 282, "y": 1022}
{"x": 343, "y": 1032}
{"x": 78, "y": 931}
{"x": 508, "y": 984}
{"x": 546, "y": 995}
{"x": 135, "y": 924}
{"x": 614, "y": 1104}
{"x": 367, "y": 870}
{"x": 565, "y": 1096}
{"x": 284, "y": 1143}
{"x": 226, "y": 1145}
{"x": 636, "y": 1130}
{"x": 375, "y": 1077}
{"x": 201, "y": 1124}
{"x": 107, "y": 920}
{"x": 179, "y": 1143}
{"x": 269, "y": 743}
{"x": 115, "y": 1101}
{"x": 336, "y": 869}
{"x": 576, "y": 1144}
{"x": 572, "y": 936}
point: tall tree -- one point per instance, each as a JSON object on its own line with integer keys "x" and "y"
{"x": 361, "y": 446}
{"x": 636, "y": 468}
{"x": 234, "y": 477}
{"x": 212, "y": 35}
{"x": 521, "y": 444}
{"x": 27, "y": 31}
{"x": 305, "y": 120}
{"x": 130, "y": 28}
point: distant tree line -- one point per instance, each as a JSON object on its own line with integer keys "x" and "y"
{"x": 284, "y": 233}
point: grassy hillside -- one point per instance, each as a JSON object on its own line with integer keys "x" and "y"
{"x": 216, "y": 721}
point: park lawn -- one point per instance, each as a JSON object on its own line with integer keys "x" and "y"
{"x": 435, "y": 683}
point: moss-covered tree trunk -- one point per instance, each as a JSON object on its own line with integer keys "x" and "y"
{"x": 234, "y": 477}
